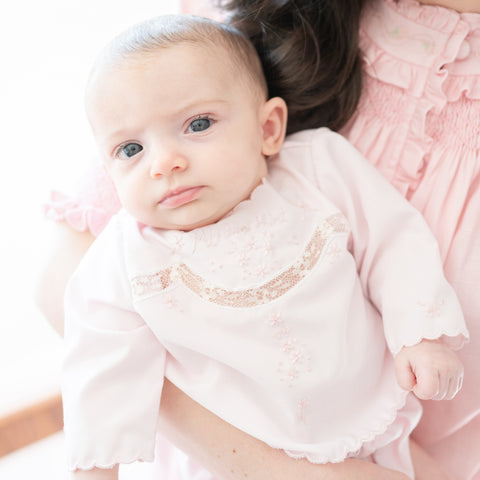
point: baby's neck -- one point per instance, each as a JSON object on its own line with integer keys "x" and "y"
{"x": 471, "y": 6}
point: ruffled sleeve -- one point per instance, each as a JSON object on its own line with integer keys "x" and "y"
{"x": 397, "y": 256}
{"x": 114, "y": 365}
{"x": 92, "y": 206}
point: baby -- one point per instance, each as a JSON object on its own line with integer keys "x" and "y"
{"x": 283, "y": 285}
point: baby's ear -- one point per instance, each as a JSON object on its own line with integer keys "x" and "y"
{"x": 274, "y": 125}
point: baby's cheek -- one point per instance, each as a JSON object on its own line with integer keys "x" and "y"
{"x": 130, "y": 195}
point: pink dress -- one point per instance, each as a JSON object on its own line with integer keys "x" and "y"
{"x": 419, "y": 123}
{"x": 261, "y": 317}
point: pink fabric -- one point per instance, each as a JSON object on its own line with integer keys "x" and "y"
{"x": 91, "y": 207}
{"x": 263, "y": 315}
{"x": 419, "y": 124}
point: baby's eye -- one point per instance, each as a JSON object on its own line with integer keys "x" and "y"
{"x": 199, "y": 125}
{"x": 129, "y": 150}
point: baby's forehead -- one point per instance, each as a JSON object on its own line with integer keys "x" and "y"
{"x": 187, "y": 74}
{"x": 199, "y": 61}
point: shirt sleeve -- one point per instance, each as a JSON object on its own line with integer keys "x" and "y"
{"x": 397, "y": 256}
{"x": 114, "y": 365}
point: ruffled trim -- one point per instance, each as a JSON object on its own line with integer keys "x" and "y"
{"x": 411, "y": 46}
{"x": 378, "y": 128}
{"x": 80, "y": 217}
{"x": 415, "y": 48}
{"x": 457, "y": 86}
{"x": 385, "y": 67}
{"x": 352, "y": 447}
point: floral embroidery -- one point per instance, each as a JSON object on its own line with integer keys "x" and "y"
{"x": 146, "y": 285}
{"x": 172, "y": 303}
{"x": 432, "y": 309}
{"x": 247, "y": 240}
{"x": 261, "y": 270}
{"x": 242, "y": 259}
{"x": 302, "y": 406}
{"x": 215, "y": 266}
{"x": 333, "y": 251}
{"x": 383, "y": 24}
{"x": 251, "y": 244}
{"x": 178, "y": 245}
{"x": 294, "y": 360}
{"x": 427, "y": 44}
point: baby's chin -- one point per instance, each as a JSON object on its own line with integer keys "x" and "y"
{"x": 183, "y": 226}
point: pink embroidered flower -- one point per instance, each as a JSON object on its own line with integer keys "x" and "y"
{"x": 432, "y": 309}
{"x": 302, "y": 406}
{"x": 294, "y": 361}
{"x": 274, "y": 319}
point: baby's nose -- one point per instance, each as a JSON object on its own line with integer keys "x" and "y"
{"x": 167, "y": 162}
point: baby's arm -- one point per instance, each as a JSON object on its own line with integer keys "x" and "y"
{"x": 64, "y": 249}
{"x": 397, "y": 256}
{"x": 430, "y": 369}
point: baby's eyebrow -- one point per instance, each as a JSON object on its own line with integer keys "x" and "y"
{"x": 201, "y": 104}
{"x": 116, "y": 137}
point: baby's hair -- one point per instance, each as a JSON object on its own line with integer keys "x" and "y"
{"x": 310, "y": 55}
{"x": 150, "y": 36}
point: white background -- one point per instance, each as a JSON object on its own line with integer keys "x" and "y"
{"x": 46, "y": 49}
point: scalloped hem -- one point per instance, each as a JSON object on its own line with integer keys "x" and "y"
{"x": 109, "y": 466}
{"x": 455, "y": 340}
{"x": 338, "y": 453}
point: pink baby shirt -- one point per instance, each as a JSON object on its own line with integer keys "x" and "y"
{"x": 261, "y": 317}
{"x": 418, "y": 123}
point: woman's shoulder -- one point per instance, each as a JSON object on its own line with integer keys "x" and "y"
{"x": 404, "y": 42}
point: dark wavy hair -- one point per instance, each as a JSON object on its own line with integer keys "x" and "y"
{"x": 310, "y": 55}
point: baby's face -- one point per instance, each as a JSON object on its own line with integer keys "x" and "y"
{"x": 180, "y": 134}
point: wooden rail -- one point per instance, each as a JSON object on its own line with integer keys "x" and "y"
{"x": 30, "y": 424}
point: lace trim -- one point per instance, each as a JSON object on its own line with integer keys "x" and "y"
{"x": 146, "y": 285}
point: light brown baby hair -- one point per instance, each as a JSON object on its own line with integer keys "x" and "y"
{"x": 145, "y": 39}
